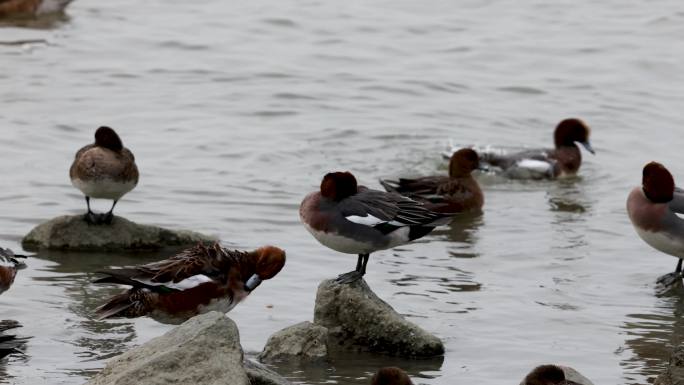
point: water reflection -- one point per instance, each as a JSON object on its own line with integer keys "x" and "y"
{"x": 51, "y": 21}
{"x": 357, "y": 368}
{"x": 568, "y": 196}
{"x": 12, "y": 348}
{"x": 651, "y": 337}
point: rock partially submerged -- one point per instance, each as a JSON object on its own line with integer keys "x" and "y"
{"x": 350, "y": 317}
{"x": 674, "y": 374}
{"x": 203, "y": 350}
{"x": 357, "y": 319}
{"x": 72, "y": 232}
{"x": 303, "y": 342}
{"x": 261, "y": 375}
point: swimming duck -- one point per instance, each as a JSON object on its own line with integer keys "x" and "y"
{"x": 391, "y": 376}
{"x": 562, "y": 161}
{"x": 354, "y": 219}
{"x": 106, "y": 170}
{"x": 23, "y": 8}
{"x": 197, "y": 280}
{"x": 652, "y": 209}
{"x": 456, "y": 193}
{"x": 9, "y": 265}
{"x": 555, "y": 375}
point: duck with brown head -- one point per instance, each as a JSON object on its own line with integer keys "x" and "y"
{"x": 9, "y": 265}
{"x": 391, "y": 376}
{"x": 563, "y": 160}
{"x": 555, "y": 375}
{"x": 354, "y": 219}
{"x": 106, "y": 170}
{"x": 652, "y": 209}
{"x": 195, "y": 281}
{"x": 457, "y": 193}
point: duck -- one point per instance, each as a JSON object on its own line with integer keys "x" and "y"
{"x": 10, "y": 343}
{"x": 104, "y": 169}
{"x": 652, "y": 208}
{"x": 31, "y": 8}
{"x": 195, "y": 281}
{"x": 457, "y": 193}
{"x": 563, "y": 161}
{"x": 555, "y": 375}
{"x": 9, "y": 265}
{"x": 391, "y": 376}
{"x": 354, "y": 219}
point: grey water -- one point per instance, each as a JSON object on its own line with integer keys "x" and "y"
{"x": 235, "y": 110}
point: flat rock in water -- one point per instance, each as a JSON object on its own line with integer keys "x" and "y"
{"x": 303, "y": 342}
{"x": 357, "y": 319}
{"x": 72, "y": 232}
{"x": 674, "y": 374}
{"x": 261, "y": 375}
{"x": 203, "y": 350}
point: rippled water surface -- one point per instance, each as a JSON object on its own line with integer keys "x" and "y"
{"x": 235, "y": 111}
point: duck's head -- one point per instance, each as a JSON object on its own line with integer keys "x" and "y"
{"x": 657, "y": 183}
{"x": 571, "y": 131}
{"x": 107, "y": 138}
{"x": 391, "y": 376}
{"x": 338, "y": 185}
{"x": 269, "y": 261}
{"x": 463, "y": 162}
{"x": 555, "y": 375}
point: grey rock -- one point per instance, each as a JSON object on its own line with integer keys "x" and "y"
{"x": 203, "y": 350}
{"x": 261, "y": 375}
{"x": 674, "y": 374}
{"x": 357, "y": 319}
{"x": 303, "y": 342}
{"x": 71, "y": 232}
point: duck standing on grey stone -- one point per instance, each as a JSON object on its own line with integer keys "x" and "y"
{"x": 104, "y": 170}
{"x": 354, "y": 219}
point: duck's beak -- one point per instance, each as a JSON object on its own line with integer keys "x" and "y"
{"x": 252, "y": 283}
{"x": 587, "y": 145}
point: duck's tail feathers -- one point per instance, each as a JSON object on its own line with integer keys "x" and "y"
{"x": 114, "y": 307}
{"x": 389, "y": 185}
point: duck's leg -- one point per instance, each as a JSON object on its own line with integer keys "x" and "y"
{"x": 355, "y": 275}
{"x": 110, "y": 215}
{"x": 672, "y": 278}
{"x": 91, "y": 218}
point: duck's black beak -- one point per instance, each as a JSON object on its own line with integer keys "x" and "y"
{"x": 252, "y": 283}
{"x": 587, "y": 145}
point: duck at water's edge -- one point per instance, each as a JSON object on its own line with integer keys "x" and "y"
{"x": 354, "y": 219}
{"x": 106, "y": 170}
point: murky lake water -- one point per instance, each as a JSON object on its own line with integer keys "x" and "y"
{"x": 235, "y": 111}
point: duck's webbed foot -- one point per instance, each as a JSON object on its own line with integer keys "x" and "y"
{"x": 673, "y": 278}
{"x": 349, "y": 277}
{"x": 91, "y": 218}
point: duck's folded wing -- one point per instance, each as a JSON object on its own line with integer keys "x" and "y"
{"x": 677, "y": 202}
{"x": 416, "y": 187}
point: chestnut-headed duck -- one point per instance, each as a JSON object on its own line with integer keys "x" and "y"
{"x": 9, "y": 265}
{"x": 562, "y": 161}
{"x": 10, "y": 343}
{"x": 555, "y": 375}
{"x": 653, "y": 208}
{"x": 197, "y": 280}
{"x": 391, "y": 376}
{"x": 31, "y": 8}
{"x": 354, "y": 219}
{"x": 457, "y": 193}
{"x": 105, "y": 170}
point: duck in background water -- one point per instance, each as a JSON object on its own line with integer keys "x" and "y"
{"x": 31, "y": 8}
{"x": 354, "y": 219}
{"x": 652, "y": 209}
{"x": 105, "y": 170}
{"x": 555, "y": 375}
{"x": 9, "y": 265}
{"x": 391, "y": 376}
{"x": 562, "y": 161}
{"x": 195, "y": 281}
{"x": 457, "y": 193}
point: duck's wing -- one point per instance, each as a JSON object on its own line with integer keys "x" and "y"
{"x": 414, "y": 187}
{"x": 677, "y": 202}
{"x": 185, "y": 270}
{"x": 388, "y": 211}
{"x": 8, "y": 257}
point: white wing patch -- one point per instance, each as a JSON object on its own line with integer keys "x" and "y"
{"x": 368, "y": 220}
{"x": 535, "y": 165}
{"x": 187, "y": 283}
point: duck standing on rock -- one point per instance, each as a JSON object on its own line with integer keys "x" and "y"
{"x": 9, "y": 265}
{"x": 23, "y": 8}
{"x": 391, "y": 376}
{"x": 195, "y": 281}
{"x": 105, "y": 170}
{"x": 562, "y": 161}
{"x": 457, "y": 193}
{"x": 354, "y": 219}
{"x": 652, "y": 209}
